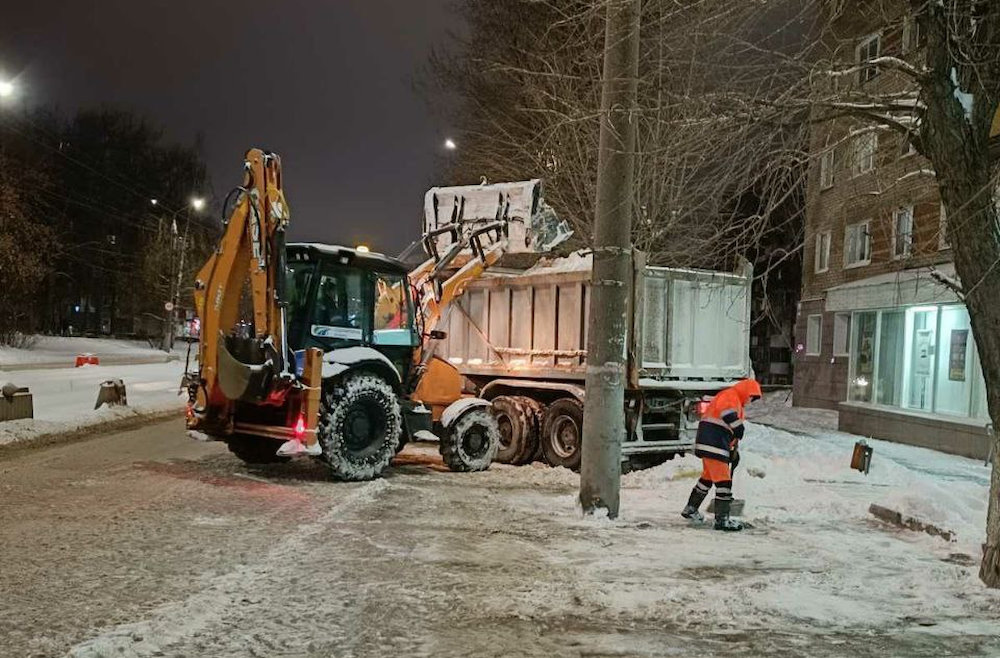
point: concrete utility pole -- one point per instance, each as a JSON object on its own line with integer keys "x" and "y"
{"x": 604, "y": 411}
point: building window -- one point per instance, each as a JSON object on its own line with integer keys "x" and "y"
{"x": 913, "y": 35}
{"x": 906, "y": 148}
{"x": 862, "y": 368}
{"x": 867, "y": 50}
{"x": 918, "y": 358}
{"x": 864, "y": 146}
{"x": 857, "y": 245}
{"x": 814, "y": 334}
{"x": 826, "y": 170}
{"x": 902, "y": 232}
{"x": 822, "y": 260}
{"x": 841, "y": 334}
{"x": 943, "y": 229}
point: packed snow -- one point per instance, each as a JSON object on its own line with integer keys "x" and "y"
{"x": 503, "y": 563}
{"x": 64, "y": 398}
{"x": 578, "y": 261}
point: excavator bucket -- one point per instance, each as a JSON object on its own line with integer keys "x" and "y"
{"x": 242, "y": 381}
{"x": 530, "y": 225}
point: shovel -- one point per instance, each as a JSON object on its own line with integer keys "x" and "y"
{"x": 736, "y": 509}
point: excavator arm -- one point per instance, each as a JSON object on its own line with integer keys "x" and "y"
{"x": 255, "y": 366}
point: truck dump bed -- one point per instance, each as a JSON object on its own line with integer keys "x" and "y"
{"x": 688, "y": 326}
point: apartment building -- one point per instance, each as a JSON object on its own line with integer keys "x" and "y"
{"x": 878, "y": 336}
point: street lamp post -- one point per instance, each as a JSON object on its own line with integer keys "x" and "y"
{"x": 196, "y": 204}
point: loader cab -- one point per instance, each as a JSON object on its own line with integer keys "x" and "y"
{"x": 339, "y": 297}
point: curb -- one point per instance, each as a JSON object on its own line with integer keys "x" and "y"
{"x": 52, "y": 439}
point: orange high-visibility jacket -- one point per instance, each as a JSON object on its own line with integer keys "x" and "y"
{"x": 721, "y": 425}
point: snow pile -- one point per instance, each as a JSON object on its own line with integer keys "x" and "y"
{"x": 578, "y": 261}
{"x": 62, "y": 350}
{"x": 64, "y": 398}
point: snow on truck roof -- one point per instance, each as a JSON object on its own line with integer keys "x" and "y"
{"x": 370, "y": 258}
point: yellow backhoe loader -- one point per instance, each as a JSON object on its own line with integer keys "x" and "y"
{"x": 336, "y": 360}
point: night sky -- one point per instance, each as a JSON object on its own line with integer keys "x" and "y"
{"x": 328, "y": 84}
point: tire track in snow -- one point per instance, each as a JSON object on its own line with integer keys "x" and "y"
{"x": 177, "y": 622}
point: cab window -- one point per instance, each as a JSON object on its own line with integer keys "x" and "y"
{"x": 391, "y": 305}
{"x": 339, "y": 310}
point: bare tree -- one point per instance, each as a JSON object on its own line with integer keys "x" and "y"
{"x": 717, "y": 168}
{"x": 25, "y": 247}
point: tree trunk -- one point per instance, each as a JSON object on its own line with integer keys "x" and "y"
{"x": 956, "y": 139}
{"x": 604, "y": 410}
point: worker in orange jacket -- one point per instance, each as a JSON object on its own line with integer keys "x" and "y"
{"x": 717, "y": 443}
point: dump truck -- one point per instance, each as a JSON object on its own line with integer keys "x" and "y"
{"x": 521, "y": 338}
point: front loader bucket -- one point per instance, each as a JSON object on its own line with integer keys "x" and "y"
{"x": 242, "y": 381}
{"x": 453, "y": 214}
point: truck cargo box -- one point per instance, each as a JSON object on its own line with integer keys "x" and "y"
{"x": 690, "y": 328}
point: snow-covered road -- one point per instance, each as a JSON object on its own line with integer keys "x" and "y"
{"x": 177, "y": 549}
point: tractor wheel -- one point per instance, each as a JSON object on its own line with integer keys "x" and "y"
{"x": 360, "y": 422}
{"x": 255, "y": 449}
{"x": 470, "y": 444}
{"x": 562, "y": 433}
{"x": 518, "y": 427}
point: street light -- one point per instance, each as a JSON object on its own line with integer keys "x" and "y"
{"x": 196, "y": 203}
{"x": 450, "y": 144}
{"x": 154, "y": 201}
{"x": 6, "y": 88}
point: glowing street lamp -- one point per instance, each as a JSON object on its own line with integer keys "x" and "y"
{"x": 450, "y": 144}
{"x": 198, "y": 203}
{"x": 6, "y": 88}
{"x": 153, "y": 202}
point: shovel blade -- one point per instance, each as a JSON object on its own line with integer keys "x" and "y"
{"x": 736, "y": 509}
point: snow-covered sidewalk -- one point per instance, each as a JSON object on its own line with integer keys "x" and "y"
{"x": 64, "y": 398}
{"x": 816, "y": 558}
{"x": 60, "y": 351}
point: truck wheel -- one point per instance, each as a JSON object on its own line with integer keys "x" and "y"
{"x": 471, "y": 443}
{"x": 255, "y": 449}
{"x": 360, "y": 422}
{"x": 538, "y": 410}
{"x": 518, "y": 427}
{"x": 562, "y": 433}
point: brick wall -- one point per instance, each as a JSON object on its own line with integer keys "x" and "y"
{"x": 820, "y": 380}
{"x": 898, "y": 179}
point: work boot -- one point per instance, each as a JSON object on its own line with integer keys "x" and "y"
{"x": 695, "y": 500}
{"x": 722, "y": 518}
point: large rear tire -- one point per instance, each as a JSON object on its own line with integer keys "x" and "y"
{"x": 255, "y": 449}
{"x": 471, "y": 443}
{"x": 360, "y": 422}
{"x": 518, "y": 427}
{"x": 562, "y": 433}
